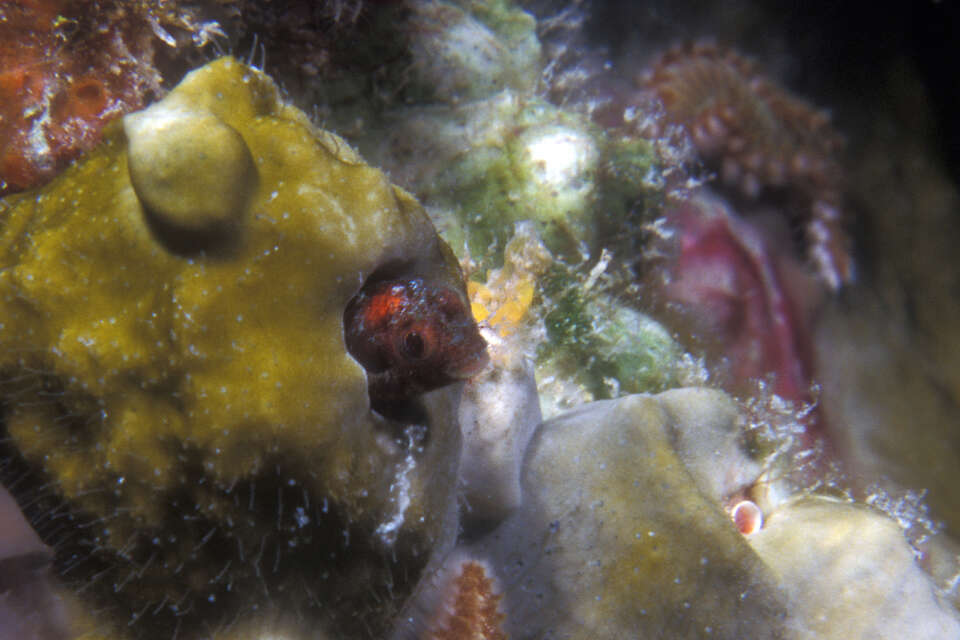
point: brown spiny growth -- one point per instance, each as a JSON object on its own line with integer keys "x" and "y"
{"x": 761, "y": 139}
{"x": 470, "y": 608}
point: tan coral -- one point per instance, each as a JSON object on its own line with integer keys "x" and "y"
{"x": 760, "y": 138}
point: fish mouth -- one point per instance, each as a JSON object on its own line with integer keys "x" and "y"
{"x": 472, "y": 364}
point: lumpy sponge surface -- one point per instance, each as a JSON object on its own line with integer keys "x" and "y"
{"x": 171, "y": 333}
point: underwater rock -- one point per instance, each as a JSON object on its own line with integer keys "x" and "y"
{"x": 30, "y": 606}
{"x": 498, "y": 414}
{"x": 187, "y": 428}
{"x": 615, "y": 538}
{"x": 898, "y": 430}
{"x": 889, "y": 356}
{"x": 500, "y": 408}
{"x": 705, "y": 430}
{"x": 468, "y": 50}
{"x": 16, "y": 536}
{"x": 849, "y": 573}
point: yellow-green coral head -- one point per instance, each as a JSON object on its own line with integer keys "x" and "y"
{"x": 172, "y": 364}
{"x": 193, "y": 174}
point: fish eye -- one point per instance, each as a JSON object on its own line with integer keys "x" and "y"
{"x": 412, "y": 345}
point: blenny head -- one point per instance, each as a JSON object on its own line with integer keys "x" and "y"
{"x": 412, "y": 337}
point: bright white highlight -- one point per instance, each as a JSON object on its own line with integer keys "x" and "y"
{"x": 561, "y": 157}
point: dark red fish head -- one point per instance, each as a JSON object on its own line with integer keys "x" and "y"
{"x": 412, "y": 337}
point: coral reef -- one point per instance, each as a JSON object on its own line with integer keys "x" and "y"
{"x": 68, "y": 67}
{"x": 498, "y": 166}
{"x": 305, "y": 36}
{"x": 182, "y": 418}
{"x": 468, "y": 50}
{"x": 232, "y": 354}
{"x": 860, "y": 579}
{"x": 621, "y": 533}
{"x": 510, "y": 157}
{"x": 587, "y": 343}
{"x": 486, "y": 165}
{"x": 476, "y": 140}
{"x": 762, "y": 140}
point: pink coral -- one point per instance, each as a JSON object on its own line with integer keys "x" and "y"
{"x": 742, "y": 299}
{"x": 763, "y": 141}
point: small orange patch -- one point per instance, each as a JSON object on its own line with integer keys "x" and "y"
{"x": 87, "y": 98}
{"x": 383, "y": 307}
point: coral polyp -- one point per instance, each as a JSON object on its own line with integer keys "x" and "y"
{"x": 470, "y": 607}
{"x": 761, "y": 139}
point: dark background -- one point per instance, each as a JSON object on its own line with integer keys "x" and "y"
{"x": 836, "y": 53}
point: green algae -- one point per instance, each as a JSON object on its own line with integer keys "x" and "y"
{"x": 602, "y": 345}
{"x": 485, "y": 165}
{"x": 152, "y": 375}
{"x": 530, "y": 161}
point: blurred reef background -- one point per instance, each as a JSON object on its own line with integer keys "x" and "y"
{"x": 711, "y": 252}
